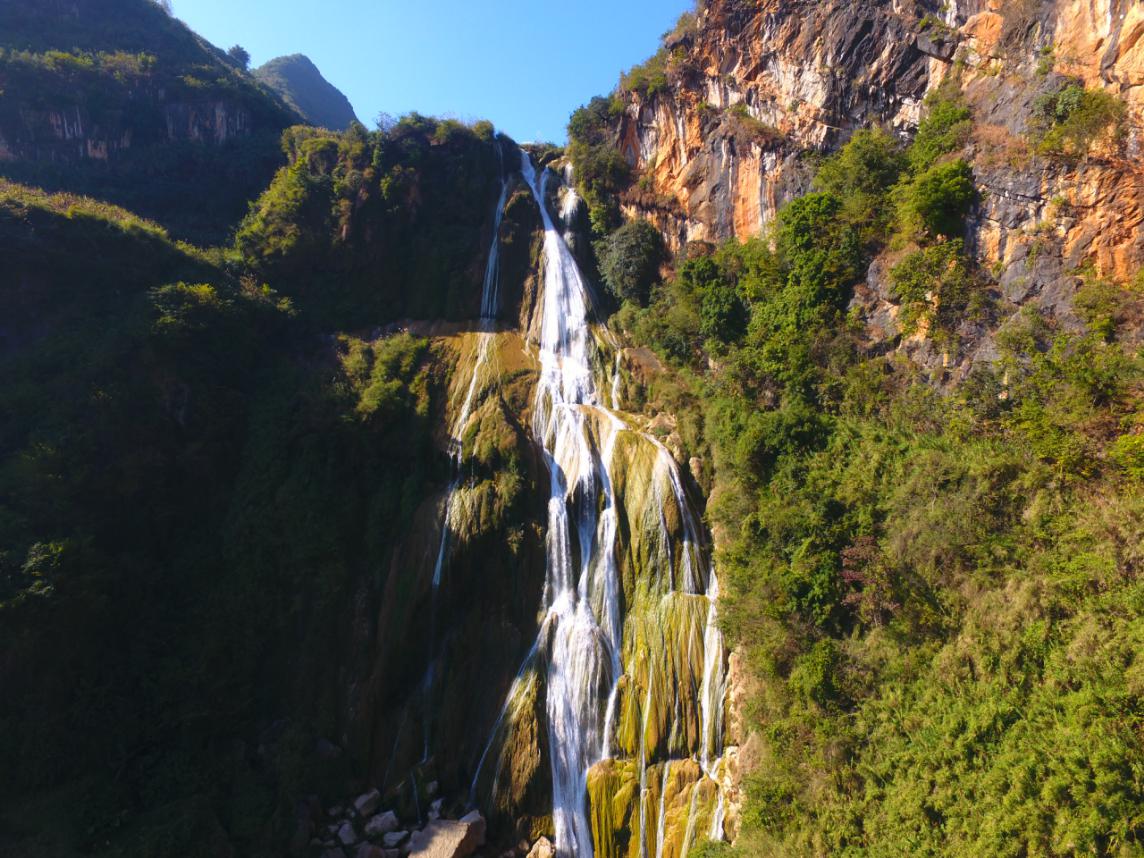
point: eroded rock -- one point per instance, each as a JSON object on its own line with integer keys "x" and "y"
{"x": 346, "y": 834}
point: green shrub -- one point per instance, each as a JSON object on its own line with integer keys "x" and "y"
{"x": 629, "y": 260}
{"x": 649, "y": 77}
{"x": 933, "y": 285}
{"x": 1127, "y": 453}
{"x": 722, "y": 312}
{"x": 1070, "y": 121}
{"x": 861, "y": 174}
{"x": 937, "y": 200}
{"x": 944, "y": 127}
{"x": 813, "y": 678}
{"x": 822, "y": 250}
{"x": 599, "y": 169}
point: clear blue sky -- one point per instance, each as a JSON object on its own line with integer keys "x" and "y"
{"x": 524, "y": 64}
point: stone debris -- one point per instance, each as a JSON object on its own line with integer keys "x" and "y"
{"x": 381, "y": 824}
{"x": 368, "y": 803}
{"x": 393, "y": 838}
{"x": 448, "y": 838}
{"x": 361, "y": 829}
{"x": 347, "y": 835}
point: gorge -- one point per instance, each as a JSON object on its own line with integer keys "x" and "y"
{"x": 756, "y": 474}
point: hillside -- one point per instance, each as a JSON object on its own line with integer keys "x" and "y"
{"x": 116, "y": 99}
{"x": 299, "y": 83}
{"x": 202, "y": 484}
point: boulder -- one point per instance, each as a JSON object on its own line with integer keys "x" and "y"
{"x": 435, "y": 809}
{"x": 369, "y": 850}
{"x": 347, "y": 835}
{"x": 542, "y": 848}
{"x": 367, "y": 803}
{"x": 446, "y": 838}
{"x": 381, "y": 825}
{"x": 476, "y": 824}
{"x": 392, "y": 838}
{"x": 334, "y": 852}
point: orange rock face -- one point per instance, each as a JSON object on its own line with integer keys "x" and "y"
{"x": 760, "y": 84}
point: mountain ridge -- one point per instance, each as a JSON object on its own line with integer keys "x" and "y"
{"x": 301, "y": 85}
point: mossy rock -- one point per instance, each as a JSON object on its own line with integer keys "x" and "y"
{"x": 658, "y": 704}
{"x": 678, "y": 788}
{"x": 515, "y": 766}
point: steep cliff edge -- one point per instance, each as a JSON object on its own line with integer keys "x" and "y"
{"x": 900, "y": 332}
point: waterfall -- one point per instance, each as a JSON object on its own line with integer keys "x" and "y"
{"x": 580, "y": 646}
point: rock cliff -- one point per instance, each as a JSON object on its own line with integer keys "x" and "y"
{"x": 755, "y": 90}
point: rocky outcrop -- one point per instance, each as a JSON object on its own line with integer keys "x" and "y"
{"x": 756, "y": 85}
{"x": 753, "y": 87}
{"x": 116, "y": 99}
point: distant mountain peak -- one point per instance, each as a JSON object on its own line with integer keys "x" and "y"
{"x": 297, "y": 80}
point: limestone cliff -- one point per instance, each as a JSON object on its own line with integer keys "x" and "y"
{"x": 755, "y": 89}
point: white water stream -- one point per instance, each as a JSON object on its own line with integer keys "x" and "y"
{"x": 581, "y": 636}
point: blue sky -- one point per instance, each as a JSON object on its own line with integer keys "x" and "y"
{"x": 524, "y": 64}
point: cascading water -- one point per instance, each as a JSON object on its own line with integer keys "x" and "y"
{"x": 581, "y": 645}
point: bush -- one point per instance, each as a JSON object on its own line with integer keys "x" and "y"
{"x": 1070, "y": 121}
{"x": 821, "y": 250}
{"x": 630, "y": 259}
{"x": 599, "y": 169}
{"x": 813, "y": 678}
{"x": 944, "y": 128}
{"x": 938, "y": 200}
{"x": 933, "y": 286}
{"x": 861, "y": 174}
{"x": 649, "y": 77}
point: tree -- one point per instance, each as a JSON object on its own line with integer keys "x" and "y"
{"x": 939, "y": 199}
{"x": 240, "y": 56}
{"x": 630, "y": 259}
